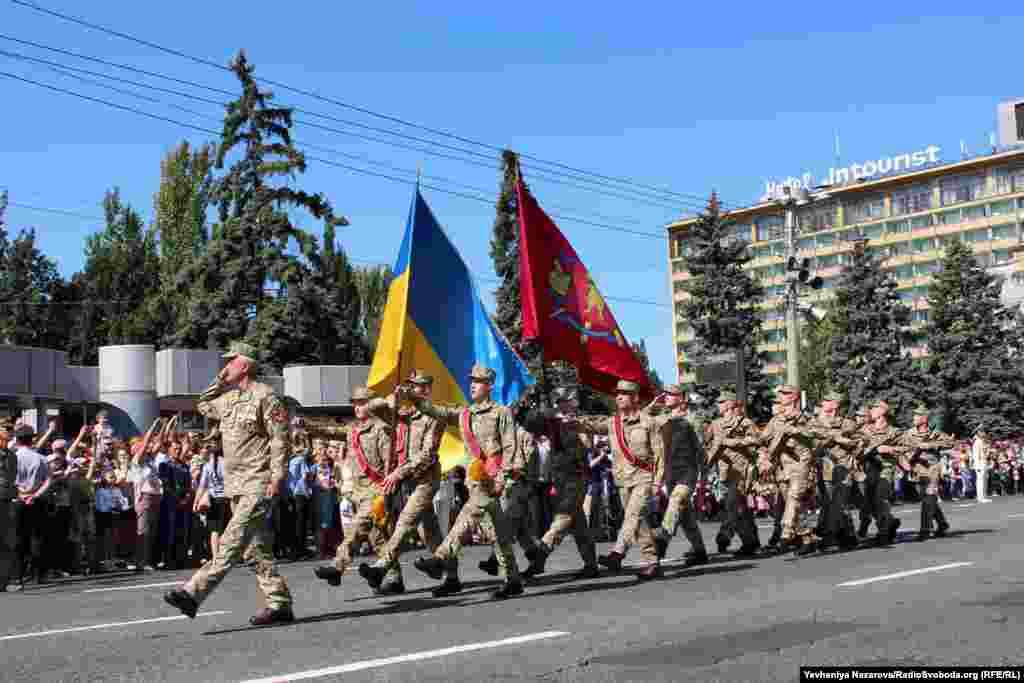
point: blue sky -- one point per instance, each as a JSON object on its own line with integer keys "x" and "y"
{"x": 685, "y": 97}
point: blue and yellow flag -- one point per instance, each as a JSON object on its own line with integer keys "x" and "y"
{"x": 434, "y": 322}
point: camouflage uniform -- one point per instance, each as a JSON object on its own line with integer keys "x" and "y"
{"x": 838, "y": 438}
{"x": 685, "y": 455}
{"x": 734, "y": 441}
{"x": 491, "y": 426}
{"x": 8, "y": 491}
{"x": 255, "y": 436}
{"x": 516, "y": 498}
{"x": 790, "y": 442}
{"x": 417, "y": 439}
{"x": 635, "y": 470}
{"x": 373, "y": 438}
{"x": 927, "y": 471}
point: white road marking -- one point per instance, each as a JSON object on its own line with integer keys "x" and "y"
{"x": 135, "y": 587}
{"x": 412, "y": 657}
{"x": 101, "y": 626}
{"x": 1017, "y": 516}
{"x": 900, "y": 575}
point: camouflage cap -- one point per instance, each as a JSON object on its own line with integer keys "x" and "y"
{"x": 481, "y": 374}
{"x": 675, "y": 390}
{"x": 833, "y": 396}
{"x": 726, "y": 395}
{"x": 361, "y": 394}
{"x": 784, "y": 389}
{"x": 921, "y": 409}
{"x": 626, "y": 387}
{"x": 239, "y": 348}
{"x": 420, "y": 378}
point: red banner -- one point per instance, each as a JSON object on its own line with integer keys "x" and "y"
{"x": 563, "y": 309}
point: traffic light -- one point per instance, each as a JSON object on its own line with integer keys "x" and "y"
{"x": 802, "y": 268}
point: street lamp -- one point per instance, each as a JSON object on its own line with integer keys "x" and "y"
{"x": 798, "y": 274}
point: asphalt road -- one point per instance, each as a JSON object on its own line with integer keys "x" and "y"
{"x": 956, "y": 600}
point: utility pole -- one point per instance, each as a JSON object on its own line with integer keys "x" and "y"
{"x": 798, "y": 274}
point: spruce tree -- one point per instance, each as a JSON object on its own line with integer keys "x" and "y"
{"x": 719, "y": 289}
{"x": 868, "y": 355}
{"x": 249, "y": 265}
{"x": 971, "y": 338}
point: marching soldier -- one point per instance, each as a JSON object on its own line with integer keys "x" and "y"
{"x": 733, "y": 446}
{"x": 838, "y": 438}
{"x": 865, "y": 474}
{"x": 417, "y": 438}
{"x": 638, "y": 462}
{"x": 370, "y": 442}
{"x": 489, "y": 433}
{"x": 254, "y": 432}
{"x": 883, "y": 452}
{"x": 927, "y": 470}
{"x": 8, "y": 491}
{"x": 685, "y": 455}
{"x": 569, "y": 476}
{"x": 790, "y": 441}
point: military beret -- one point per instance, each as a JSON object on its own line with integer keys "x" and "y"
{"x": 726, "y": 395}
{"x": 627, "y": 387}
{"x": 481, "y": 374}
{"x": 833, "y": 396}
{"x": 421, "y": 378}
{"x": 242, "y": 349}
{"x": 361, "y": 394}
{"x": 23, "y": 430}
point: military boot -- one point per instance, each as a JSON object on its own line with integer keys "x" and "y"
{"x": 329, "y": 574}
{"x": 942, "y": 528}
{"x": 537, "y": 561}
{"x": 723, "y": 543}
{"x": 182, "y": 600}
{"x": 746, "y": 550}
{"x": 612, "y": 560}
{"x": 894, "y": 528}
{"x": 373, "y": 574}
{"x": 393, "y": 587}
{"x": 508, "y": 590}
{"x": 698, "y": 557}
{"x": 806, "y": 549}
{"x": 862, "y": 530}
{"x": 661, "y": 541}
{"x": 451, "y": 586}
{"x": 268, "y": 617}
{"x": 588, "y": 572}
{"x": 490, "y": 565}
{"x": 650, "y": 572}
{"x": 431, "y": 566}
{"x": 774, "y": 540}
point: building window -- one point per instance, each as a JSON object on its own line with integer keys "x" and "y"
{"x": 904, "y": 272}
{"x": 1001, "y": 208}
{"x": 1001, "y": 256}
{"x": 806, "y": 244}
{"x": 899, "y": 249}
{"x": 775, "y": 336}
{"x": 761, "y": 252}
{"x": 818, "y": 218}
{"x": 973, "y": 236}
{"x": 829, "y": 283}
{"x": 906, "y": 295}
{"x": 828, "y": 261}
{"x": 873, "y": 232}
{"x": 898, "y": 226}
{"x": 1018, "y": 179}
{"x": 1004, "y": 232}
{"x": 927, "y": 268}
{"x": 1003, "y": 180}
{"x": 948, "y": 217}
{"x": 918, "y": 222}
{"x": 775, "y": 357}
{"x": 770, "y": 228}
{"x": 912, "y": 200}
{"x": 919, "y": 316}
{"x": 974, "y": 213}
{"x": 866, "y": 210}
{"x": 778, "y": 249}
{"x": 742, "y": 232}
{"x": 921, "y": 246}
{"x": 962, "y": 189}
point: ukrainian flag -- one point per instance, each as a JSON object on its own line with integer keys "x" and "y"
{"x": 435, "y": 322}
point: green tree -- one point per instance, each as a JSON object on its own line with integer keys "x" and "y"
{"x": 371, "y": 283}
{"x": 971, "y": 336}
{"x": 250, "y": 263}
{"x": 28, "y": 280}
{"x": 720, "y": 289}
{"x": 815, "y": 341}
{"x": 505, "y": 254}
{"x": 640, "y": 349}
{"x": 868, "y": 355}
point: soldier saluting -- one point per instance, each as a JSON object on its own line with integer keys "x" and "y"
{"x": 255, "y": 436}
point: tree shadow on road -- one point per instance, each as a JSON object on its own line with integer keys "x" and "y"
{"x": 397, "y": 607}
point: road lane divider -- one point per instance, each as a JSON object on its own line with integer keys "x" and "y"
{"x": 96, "y": 627}
{"x": 903, "y": 575}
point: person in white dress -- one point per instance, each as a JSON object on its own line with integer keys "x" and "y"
{"x": 979, "y": 458}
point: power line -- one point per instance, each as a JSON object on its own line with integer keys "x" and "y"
{"x": 598, "y": 188}
{"x": 352, "y": 107}
{"x": 208, "y": 131}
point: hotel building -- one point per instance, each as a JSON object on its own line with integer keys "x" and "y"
{"x": 909, "y": 207}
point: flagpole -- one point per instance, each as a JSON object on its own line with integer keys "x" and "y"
{"x": 542, "y": 375}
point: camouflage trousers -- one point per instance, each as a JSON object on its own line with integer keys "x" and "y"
{"x": 363, "y": 527}
{"x": 249, "y": 531}
{"x": 797, "y": 487}
{"x": 8, "y": 540}
{"x": 569, "y": 518}
{"x": 417, "y": 513}
{"x": 515, "y": 503}
{"x": 483, "y": 510}
{"x": 680, "y": 510}
{"x": 636, "y": 527}
{"x": 838, "y": 522}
